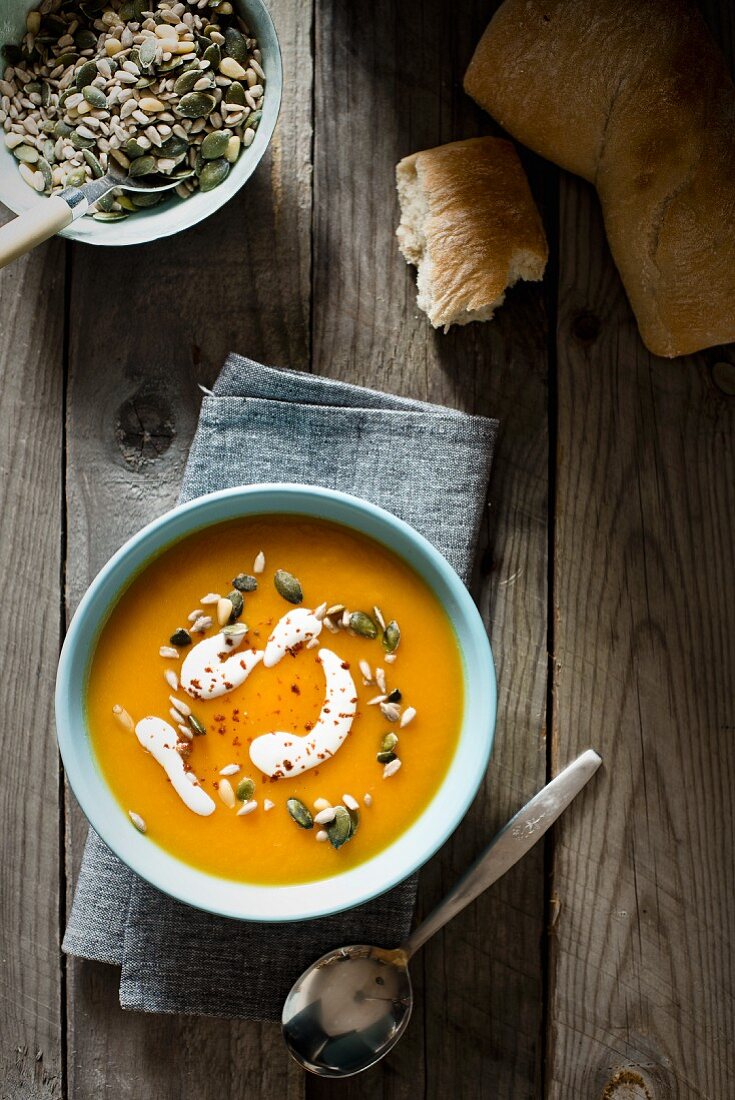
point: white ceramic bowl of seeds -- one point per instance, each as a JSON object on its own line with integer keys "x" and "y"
{"x": 232, "y": 99}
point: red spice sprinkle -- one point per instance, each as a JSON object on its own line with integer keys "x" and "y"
{"x": 296, "y": 689}
{"x": 236, "y": 741}
{"x": 219, "y": 717}
{"x": 345, "y": 664}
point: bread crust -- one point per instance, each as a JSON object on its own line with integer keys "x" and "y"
{"x": 634, "y": 96}
{"x": 479, "y": 227}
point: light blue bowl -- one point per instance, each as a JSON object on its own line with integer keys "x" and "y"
{"x": 358, "y": 884}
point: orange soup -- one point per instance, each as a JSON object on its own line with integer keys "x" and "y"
{"x": 275, "y": 699}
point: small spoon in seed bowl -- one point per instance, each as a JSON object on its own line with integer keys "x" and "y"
{"x": 350, "y": 1008}
{"x": 45, "y": 219}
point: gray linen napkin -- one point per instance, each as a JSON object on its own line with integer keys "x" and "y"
{"x": 424, "y": 463}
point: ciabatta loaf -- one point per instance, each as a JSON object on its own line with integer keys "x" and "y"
{"x": 469, "y": 224}
{"x": 634, "y": 96}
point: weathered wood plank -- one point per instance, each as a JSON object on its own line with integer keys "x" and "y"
{"x": 31, "y": 386}
{"x": 388, "y": 82}
{"x": 164, "y": 320}
{"x": 643, "y": 961}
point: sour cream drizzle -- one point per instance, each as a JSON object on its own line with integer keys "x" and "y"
{"x": 159, "y": 738}
{"x": 280, "y": 754}
{"x": 207, "y": 672}
{"x": 296, "y": 628}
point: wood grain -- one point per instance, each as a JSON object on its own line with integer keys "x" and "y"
{"x": 643, "y": 951}
{"x": 395, "y": 73}
{"x": 31, "y": 384}
{"x": 151, "y": 323}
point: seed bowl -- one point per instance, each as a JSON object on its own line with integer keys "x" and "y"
{"x": 358, "y": 883}
{"x": 175, "y": 214}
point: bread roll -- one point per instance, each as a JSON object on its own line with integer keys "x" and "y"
{"x": 634, "y": 96}
{"x": 469, "y": 224}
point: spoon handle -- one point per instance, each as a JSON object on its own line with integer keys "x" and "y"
{"x": 511, "y": 844}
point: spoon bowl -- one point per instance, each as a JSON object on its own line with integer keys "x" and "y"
{"x": 348, "y": 1010}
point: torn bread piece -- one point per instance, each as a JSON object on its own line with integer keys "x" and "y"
{"x": 470, "y": 226}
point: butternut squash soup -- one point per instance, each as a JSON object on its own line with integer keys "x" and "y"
{"x": 275, "y": 699}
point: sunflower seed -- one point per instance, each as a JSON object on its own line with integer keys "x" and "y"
{"x": 391, "y": 768}
{"x": 171, "y": 679}
{"x": 380, "y": 679}
{"x": 367, "y": 673}
{"x": 226, "y": 793}
{"x": 195, "y": 614}
{"x": 376, "y": 700}
{"x": 185, "y": 732}
{"x": 210, "y": 598}
{"x": 408, "y": 716}
{"x": 300, "y": 813}
{"x": 259, "y": 563}
{"x": 321, "y": 835}
{"x": 379, "y": 617}
{"x": 389, "y": 658}
{"x": 182, "y": 707}
{"x": 123, "y": 718}
{"x": 350, "y": 802}
{"x": 322, "y": 804}
{"x": 267, "y": 804}
{"x": 168, "y": 651}
{"x": 390, "y": 711}
{"x": 247, "y": 809}
{"x": 230, "y": 769}
{"x": 320, "y": 611}
{"x": 324, "y": 816}
{"x": 330, "y": 625}
{"x": 201, "y": 624}
{"x": 367, "y": 799}
{"x": 138, "y": 821}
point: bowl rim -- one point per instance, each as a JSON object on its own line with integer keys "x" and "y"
{"x": 154, "y": 224}
{"x": 204, "y": 890}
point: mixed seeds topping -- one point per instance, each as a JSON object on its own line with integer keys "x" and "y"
{"x": 157, "y": 86}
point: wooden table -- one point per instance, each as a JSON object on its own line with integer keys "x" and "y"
{"x": 604, "y": 964}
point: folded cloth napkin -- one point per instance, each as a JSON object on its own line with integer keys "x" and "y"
{"x": 426, "y": 464}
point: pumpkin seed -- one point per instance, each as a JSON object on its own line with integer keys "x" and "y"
{"x": 386, "y": 757}
{"x": 363, "y": 625}
{"x": 245, "y": 789}
{"x": 235, "y": 630}
{"x": 236, "y": 94}
{"x": 147, "y": 52}
{"x": 85, "y": 39}
{"x": 213, "y": 173}
{"x": 75, "y": 178}
{"x": 94, "y": 96}
{"x": 196, "y": 725}
{"x": 44, "y": 168}
{"x": 391, "y": 637}
{"x": 138, "y": 821}
{"x": 143, "y": 200}
{"x": 49, "y": 151}
{"x": 94, "y": 164}
{"x": 26, "y": 154}
{"x": 354, "y": 819}
{"x": 213, "y": 55}
{"x": 389, "y": 742}
{"x": 253, "y": 120}
{"x": 288, "y": 586}
{"x": 243, "y": 582}
{"x": 180, "y": 637}
{"x": 67, "y": 58}
{"x": 196, "y": 105}
{"x": 186, "y": 81}
{"x": 142, "y": 166}
{"x": 236, "y": 600}
{"x": 173, "y": 146}
{"x": 80, "y": 142}
{"x": 109, "y": 216}
{"x": 132, "y": 149}
{"x": 62, "y": 129}
{"x": 340, "y": 829}
{"x": 236, "y": 46}
{"x": 394, "y": 697}
{"x": 215, "y": 144}
{"x": 300, "y": 813}
{"x": 85, "y": 74}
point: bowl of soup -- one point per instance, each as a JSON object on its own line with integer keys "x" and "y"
{"x": 276, "y": 702}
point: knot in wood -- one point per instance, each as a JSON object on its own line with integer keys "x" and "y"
{"x": 145, "y": 427}
{"x": 586, "y": 327}
{"x": 627, "y": 1084}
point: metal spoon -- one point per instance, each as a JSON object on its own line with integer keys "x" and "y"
{"x": 351, "y": 1006}
{"x": 56, "y": 212}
